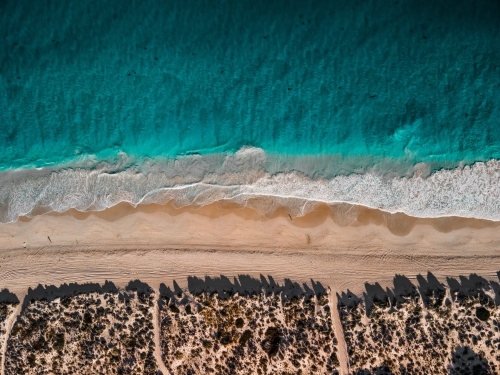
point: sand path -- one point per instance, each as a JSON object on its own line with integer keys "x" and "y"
{"x": 156, "y": 328}
{"x": 339, "y": 335}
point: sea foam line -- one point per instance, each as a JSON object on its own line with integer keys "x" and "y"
{"x": 472, "y": 191}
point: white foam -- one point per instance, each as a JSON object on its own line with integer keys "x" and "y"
{"x": 471, "y": 191}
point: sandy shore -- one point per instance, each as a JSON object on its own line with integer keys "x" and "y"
{"x": 342, "y": 247}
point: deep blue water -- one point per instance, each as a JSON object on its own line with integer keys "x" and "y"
{"x": 418, "y": 80}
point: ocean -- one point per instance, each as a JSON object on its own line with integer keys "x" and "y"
{"x": 391, "y": 105}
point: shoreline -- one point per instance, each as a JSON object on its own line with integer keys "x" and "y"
{"x": 226, "y": 225}
{"x": 243, "y": 179}
{"x": 125, "y": 243}
{"x": 341, "y": 214}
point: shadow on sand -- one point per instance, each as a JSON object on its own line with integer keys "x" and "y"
{"x": 244, "y": 284}
{"x": 429, "y": 288}
{"x": 8, "y": 298}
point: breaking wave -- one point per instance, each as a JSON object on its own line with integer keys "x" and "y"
{"x": 251, "y": 178}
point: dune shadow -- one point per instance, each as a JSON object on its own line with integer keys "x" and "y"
{"x": 348, "y": 299}
{"x": 431, "y": 290}
{"x": 52, "y": 292}
{"x": 375, "y": 295}
{"x": 244, "y": 285}
{"x": 8, "y": 298}
{"x": 139, "y": 287}
{"x": 403, "y": 291}
{"x": 472, "y": 287}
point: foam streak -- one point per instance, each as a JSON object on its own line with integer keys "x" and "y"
{"x": 244, "y": 178}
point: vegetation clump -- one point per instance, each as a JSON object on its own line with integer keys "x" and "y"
{"x": 58, "y": 342}
{"x": 245, "y": 336}
{"x": 262, "y": 331}
{"x": 482, "y": 313}
{"x": 422, "y": 329}
{"x": 89, "y": 333}
{"x": 239, "y": 323}
{"x": 272, "y": 341}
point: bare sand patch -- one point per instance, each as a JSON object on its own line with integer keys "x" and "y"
{"x": 342, "y": 246}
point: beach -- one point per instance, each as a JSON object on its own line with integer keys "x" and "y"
{"x": 161, "y": 244}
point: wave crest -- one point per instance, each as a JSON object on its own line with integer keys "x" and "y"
{"x": 251, "y": 178}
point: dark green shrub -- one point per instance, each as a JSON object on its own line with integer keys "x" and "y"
{"x": 482, "y": 313}
{"x": 40, "y": 344}
{"x": 87, "y": 318}
{"x": 207, "y": 344}
{"x": 32, "y": 359}
{"x": 271, "y": 343}
{"x": 334, "y": 359}
{"x": 58, "y": 341}
{"x": 174, "y": 309}
{"x": 245, "y": 337}
{"x": 226, "y": 339}
{"x": 129, "y": 342}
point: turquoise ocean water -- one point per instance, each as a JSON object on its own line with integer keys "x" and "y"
{"x": 169, "y": 91}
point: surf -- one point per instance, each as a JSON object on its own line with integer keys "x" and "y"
{"x": 250, "y": 178}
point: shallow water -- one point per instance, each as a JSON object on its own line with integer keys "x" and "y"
{"x": 327, "y": 89}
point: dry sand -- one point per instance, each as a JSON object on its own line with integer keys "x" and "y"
{"x": 341, "y": 247}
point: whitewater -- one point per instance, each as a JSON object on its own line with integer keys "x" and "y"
{"x": 244, "y": 178}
